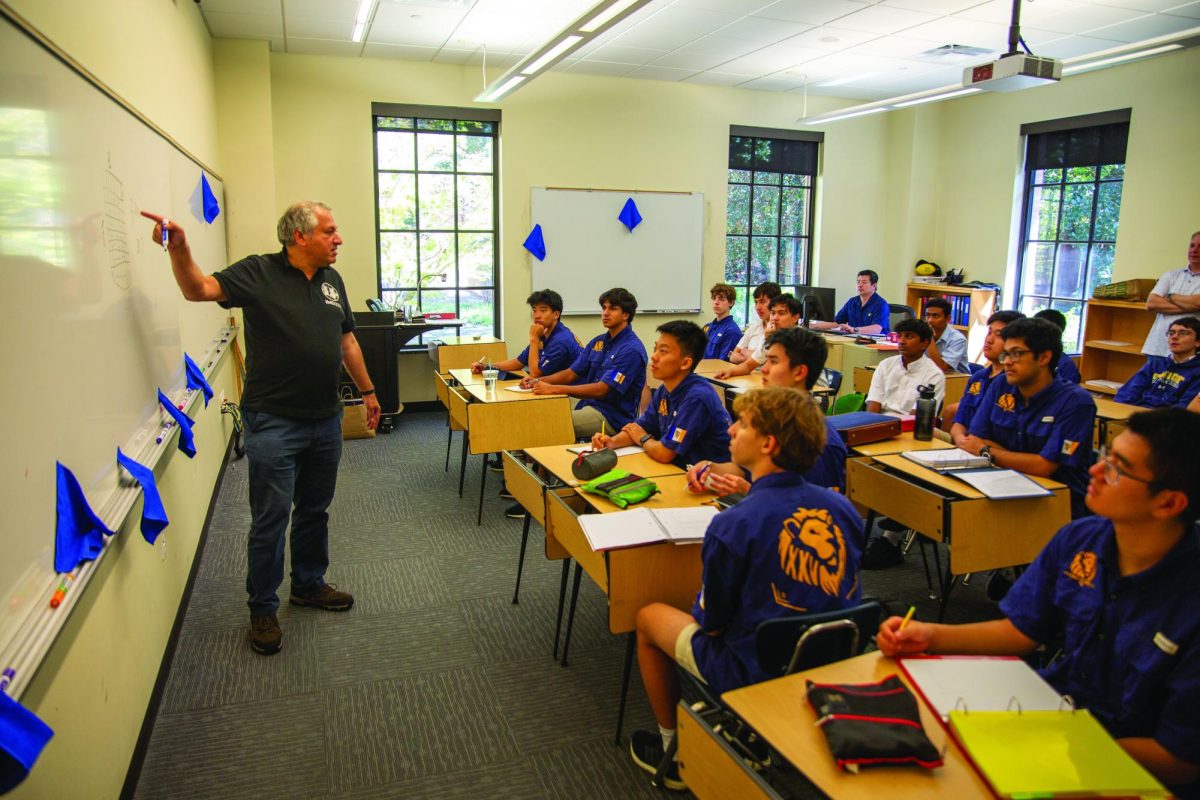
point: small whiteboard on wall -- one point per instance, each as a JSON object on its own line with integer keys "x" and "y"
{"x": 589, "y": 250}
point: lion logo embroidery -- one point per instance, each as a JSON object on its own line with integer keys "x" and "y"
{"x": 812, "y": 549}
{"x": 1006, "y": 402}
{"x": 975, "y": 388}
{"x": 662, "y": 407}
{"x": 1083, "y": 568}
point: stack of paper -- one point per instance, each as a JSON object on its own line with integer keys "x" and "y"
{"x": 1001, "y": 484}
{"x": 942, "y": 460}
{"x": 979, "y": 683}
{"x": 646, "y": 526}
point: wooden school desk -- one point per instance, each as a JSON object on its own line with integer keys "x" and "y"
{"x": 779, "y": 711}
{"x": 981, "y": 534}
{"x": 452, "y": 352}
{"x": 1110, "y": 418}
{"x": 464, "y": 376}
{"x": 899, "y": 444}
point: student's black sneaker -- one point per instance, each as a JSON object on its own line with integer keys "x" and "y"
{"x": 646, "y": 748}
{"x": 753, "y": 750}
{"x": 326, "y": 597}
{"x": 505, "y": 494}
{"x": 265, "y": 636}
{"x": 881, "y": 554}
{"x": 497, "y": 465}
{"x": 515, "y": 511}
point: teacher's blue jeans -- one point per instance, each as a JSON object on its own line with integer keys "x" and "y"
{"x": 293, "y": 473}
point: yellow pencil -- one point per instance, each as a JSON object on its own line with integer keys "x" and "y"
{"x": 911, "y": 610}
{"x": 602, "y": 428}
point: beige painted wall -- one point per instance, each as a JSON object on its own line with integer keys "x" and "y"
{"x": 94, "y": 686}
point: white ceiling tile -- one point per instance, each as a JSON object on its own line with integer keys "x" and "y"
{"x": 716, "y": 79}
{"x": 413, "y": 25}
{"x": 828, "y": 37}
{"x": 1069, "y": 46}
{"x": 307, "y": 27}
{"x": 1189, "y": 10}
{"x": 933, "y": 6}
{"x": 771, "y": 84}
{"x": 769, "y": 59}
{"x": 760, "y": 29}
{"x": 693, "y": 61}
{"x": 601, "y": 68}
{"x": 1155, "y": 6}
{"x": 727, "y": 6}
{"x": 720, "y": 46}
{"x": 319, "y": 9}
{"x": 1032, "y": 13}
{"x": 565, "y": 10}
{"x": 883, "y": 19}
{"x": 815, "y": 12}
{"x": 892, "y": 47}
{"x": 322, "y": 47}
{"x": 625, "y": 55}
{"x": 674, "y": 28}
{"x": 505, "y": 30}
{"x": 654, "y": 73}
{"x": 1087, "y": 17}
{"x": 240, "y": 7}
{"x": 403, "y": 52}
{"x": 450, "y": 55}
{"x": 244, "y": 26}
{"x": 1144, "y": 28}
{"x": 958, "y": 30}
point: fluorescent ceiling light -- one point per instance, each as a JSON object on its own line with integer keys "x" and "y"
{"x": 851, "y": 79}
{"x": 854, "y": 114}
{"x": 501, "y": 90}
{"x": 360, "y": 19}
{"x": 1166, "y": 48}
{"x": 605, "y": 15}
{"x": 932, "y": 98}
{"x": 552, "y": 55}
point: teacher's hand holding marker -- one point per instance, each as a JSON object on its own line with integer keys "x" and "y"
{"x": 194, "y": 284}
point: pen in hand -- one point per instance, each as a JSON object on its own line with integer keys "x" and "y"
{"x": 911, "y": 610}
{"x": 165, "y": 223}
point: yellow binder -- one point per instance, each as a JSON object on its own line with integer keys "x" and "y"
{"x": 1036, "y": 754}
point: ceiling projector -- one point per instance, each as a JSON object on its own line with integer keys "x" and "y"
{"x": 1012, "y": 72}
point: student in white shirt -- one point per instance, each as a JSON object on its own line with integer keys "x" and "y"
{"x": 756, "y": 331}
{"x": 894, "y": 385}
{"x": 949, "y": 347}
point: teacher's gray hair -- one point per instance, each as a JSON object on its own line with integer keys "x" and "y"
{"x": 299, "y": 218}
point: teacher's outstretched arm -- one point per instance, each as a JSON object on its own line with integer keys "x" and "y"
{"x": 194, "y": 284}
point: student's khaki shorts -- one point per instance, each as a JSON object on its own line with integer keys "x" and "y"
{"x": 684, "y": 656}
{"x": 587, "y": 422}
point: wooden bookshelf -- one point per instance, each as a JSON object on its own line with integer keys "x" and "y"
{"x": 976, "y": 305}
{"x": 1113, "y": 334}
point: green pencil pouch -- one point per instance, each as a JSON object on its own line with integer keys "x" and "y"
{"x": 622, "y": 488}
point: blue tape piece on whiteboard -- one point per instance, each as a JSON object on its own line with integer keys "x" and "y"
{"x": 185, "y": 425}
{"x": 154, "y": 516}
{"x": 535, "y": 244}
{"x": 630, "y": 216}
{"x": 211, "y": 207}
{"x": 78, "y": 532}
{"x": 196, "y": 379}
{"x": 22, "y": 738}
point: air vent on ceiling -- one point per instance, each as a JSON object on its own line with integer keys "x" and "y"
{"x": 956, "y": 53}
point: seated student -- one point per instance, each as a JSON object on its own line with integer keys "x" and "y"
{"x": 949, "y": 347}
{"x": 723, "y": 332}
{"x": 894, "y": 385}
{"x": 794, "y": 360}
{"x": 686, "y": 420}
{"x": 960, "y": 413}
{"x": 1120, "y": 588}
{"x": 552, "y": 347}
{"x": 785, "y": 313}
{"x": 1031, "y": 421}
{"x": 608, "y": 374}
{"x": 790, "y": 548}
{"x": 752, "y": 339}
{"x": 1066, "y": 369}
{"x": 1170, "y": 380}
{"x": 865, "y": 313}
{"x": 1194, "y": 406}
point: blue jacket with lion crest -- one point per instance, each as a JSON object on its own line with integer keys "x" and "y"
{"x": 789, "y": 548}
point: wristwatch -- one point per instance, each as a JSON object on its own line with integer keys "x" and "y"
{"x": 645, "y": 438}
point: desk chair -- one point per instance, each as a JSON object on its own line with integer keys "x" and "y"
{"x": 441, "y": 386}
{"x": 898, "y": 313}
{"x": 831, "y": 378}
{"x": 456, "y": 408}
{"x": 784, "y": 646}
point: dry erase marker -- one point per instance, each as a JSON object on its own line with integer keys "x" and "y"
{"x": 61, "y": 592}
{"x": 911, "y": 610}
{"x": 165, "y": 222}
{"x": 8, "y": 676}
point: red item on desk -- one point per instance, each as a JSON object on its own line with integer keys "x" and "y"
{"x": 908, "y": 422}
{"x": 438, "y": 315}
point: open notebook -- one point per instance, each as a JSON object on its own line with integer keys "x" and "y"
{"x": 993, "y": 482}
{"x": 645, "y": 526}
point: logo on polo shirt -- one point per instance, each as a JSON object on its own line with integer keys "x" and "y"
{"x": 1083, "y": 568}
{"x": 812, "y": 550}
{"x": 662, "y": 407}
{"x": 975, "y": 387}
{"x": 332, "y": 296}
{"x": 598, "y": 346}
{"x": 1007, "y": 402}
{"x": 706, "y": 327}
{"x": 677, "y": 435}
{"x": 1069, "y": 447}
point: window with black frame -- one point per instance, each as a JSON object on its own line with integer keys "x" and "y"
{"x": 437, "y": 211}
{"x": 768, "y": 236}
{"x": 1074, "y": 171}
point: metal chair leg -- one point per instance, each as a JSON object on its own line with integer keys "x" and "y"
{"x": 571, "y": 613}
{"x": 462, "y": 466}
{"x": 562, "y": 599}
{"x": 449, "y": 441}
{"x": 521, "y": 559}
{"x": 630, "y": 646}
{"x": 483, "y": 471}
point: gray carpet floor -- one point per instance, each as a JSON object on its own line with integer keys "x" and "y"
{"x": 434, "y": 685}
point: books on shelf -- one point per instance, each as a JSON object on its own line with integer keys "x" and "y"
{"x": 646, "y": 526}
{"x": 960, "y": 307}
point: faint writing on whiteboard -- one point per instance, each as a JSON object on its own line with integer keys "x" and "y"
{"x": 116, "y": 228}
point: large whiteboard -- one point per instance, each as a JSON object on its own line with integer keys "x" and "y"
{"x": 93, "y": 322}
{"x": 589, "y": 250}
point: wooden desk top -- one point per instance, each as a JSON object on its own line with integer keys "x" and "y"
{"x": 465, "y": 377}
{"x": 1111, "y": 409}
{"x": 752, "y": 381}
{"x": 779, "y": 711}
{"x": 502, "y": 394}
{"x": 451, "y": 341}
{"x": 557, "y": 459}
{"x": 673, "y": 493}
{"x": 712, "y": 365}
{"x": 902, "y": 464}
{"x": 899, "y": 444}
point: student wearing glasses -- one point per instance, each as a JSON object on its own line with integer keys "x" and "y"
{"x": 1118, "y": 590}
{"x": 1170, "y": 380}
{"x": 1031, "y": 421}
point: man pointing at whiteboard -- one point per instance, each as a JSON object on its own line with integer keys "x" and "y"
{"x": 299, "y": 331}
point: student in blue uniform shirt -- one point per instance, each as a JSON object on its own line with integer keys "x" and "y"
{"x": 552, "y": 346}
{"x": 786, "y": 311}
{"x": 1066, "y": 370}
{"x": 1119, "y": 590}
{"x": 1170, "y": 380}
{"x": 789, "y": 548}
{"x": 686, "y": 420}
{"x": 957, "y": 416}
{"x": 794, "y": 360}
{"x": 723, "y": 332}
{"x": 608, "y": 374}
{"x": 865, "y": 313}
{"x": 1032, "y": 421}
